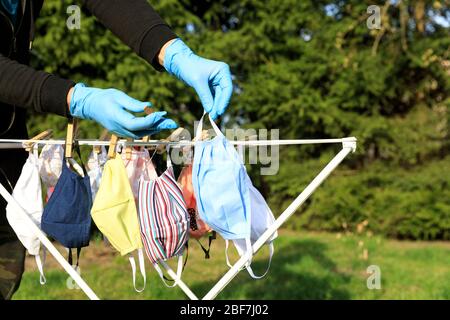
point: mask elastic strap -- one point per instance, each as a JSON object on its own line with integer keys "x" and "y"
{"x": 69, "y": 259}
{"x": 40, "y": 265}
{"x": 249, "y": 252}
{"x": 211, "y": 237}
{"x": 36, "y": 151}
{"x": 169, "y": 162}
{"x": 141, "y": 267}
{"x": 227, "y": 244}
{"x": 161, "y": 275}
{"x": 76, "y": 147}
{"x": 180, "y": 268}
{"x": 147, "y": 160}
{"x": 95, "y": 155}
{"x": 215, "y": 127}
{"x": 198, "y": 133}
{"x": 250, "y": 271}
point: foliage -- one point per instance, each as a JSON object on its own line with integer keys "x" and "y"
{"x": 312, "y": 69}
{"x": 305, "y": 266}
{"x": 405, "y": 204}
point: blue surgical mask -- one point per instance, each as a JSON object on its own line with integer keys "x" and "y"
{"x": 220, "y": 186}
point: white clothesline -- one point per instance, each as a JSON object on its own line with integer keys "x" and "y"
{"x": 20, "y": 143}
{"x": 348, "y": 146}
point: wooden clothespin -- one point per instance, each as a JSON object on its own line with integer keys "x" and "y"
{"x": 98, "y": 149}
{"x": 204, "y": 136}
{"x": 70, "y": 136}
{"x": 128, "y": 149}
{"x": 174, "y": 136}
{"x": 41, "y": 136}
{"x": 148, "y": 110}
{"x": 112, "y": 146}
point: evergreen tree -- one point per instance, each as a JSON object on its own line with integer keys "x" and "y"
{"x": 312, "y": 69}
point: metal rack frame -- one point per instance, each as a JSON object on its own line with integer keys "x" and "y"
{"x": 348, "y": 146}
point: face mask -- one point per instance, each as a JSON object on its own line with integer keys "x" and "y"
{"x": 261, "y": 219}
{"x": 136, "y": 166}
{"x": 66, "y": 217}
{"x": 95, "y": 165}
{"x": 220, "y": 185}
{"x": 197, "y": 227}
{"x": 50, "y": 166}
{"x": 114, "y": 212}
{"x": 28, "y": 195}
{"x": 163, "y": 219}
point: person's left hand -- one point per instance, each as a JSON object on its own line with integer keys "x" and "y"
{"x": 210, "y": 79}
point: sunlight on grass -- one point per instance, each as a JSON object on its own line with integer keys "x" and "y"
{"x": 305, "y": 266}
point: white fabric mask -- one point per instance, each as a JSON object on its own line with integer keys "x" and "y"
{"x": 139, "y": 164}
{"x": 50, "y": 161}
{"x": 28, "y": 194}
{"x": 261, "y": 219}
{"x": 95, "y": 168}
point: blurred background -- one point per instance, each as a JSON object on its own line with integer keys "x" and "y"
{"x": 312, "y": 69}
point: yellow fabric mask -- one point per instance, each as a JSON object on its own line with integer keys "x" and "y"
{"x": 115, "y": 214}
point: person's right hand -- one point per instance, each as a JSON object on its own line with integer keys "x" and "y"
{"x": 109, "y": 108}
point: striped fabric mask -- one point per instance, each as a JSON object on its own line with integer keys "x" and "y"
{"x": 164, "y": 220}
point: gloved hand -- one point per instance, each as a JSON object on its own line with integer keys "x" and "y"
{"x": 210, "y": 79}
{"x": 108, "y": 107}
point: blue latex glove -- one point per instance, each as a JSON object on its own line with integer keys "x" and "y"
{"x": 108, "y": 107}
{"x": 210, "y": 79}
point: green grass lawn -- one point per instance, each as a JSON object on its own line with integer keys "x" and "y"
{"x": 305, "y": 266}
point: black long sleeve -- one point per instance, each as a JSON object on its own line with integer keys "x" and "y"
{"x": 134, "y": 21}
{"x": 23, "y": 86}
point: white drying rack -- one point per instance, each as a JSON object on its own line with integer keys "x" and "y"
{"x": 348, "y": 145}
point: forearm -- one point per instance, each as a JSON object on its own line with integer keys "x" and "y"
{"x": 23, "y": 86}
{"x": 162, "y": 52}
{"x": 136, "y": 23}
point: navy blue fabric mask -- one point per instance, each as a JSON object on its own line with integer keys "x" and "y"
{"x": 67, "y": 216}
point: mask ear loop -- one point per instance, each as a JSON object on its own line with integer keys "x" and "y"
{"x": 250, "y": 270}
{"x": 161, "y": 275}
{"x": 146, "y": 162}
{"x": 127, "y": 159}
{"x": 211, "y": 237}
{"x": 39, "y": 262}
{"x": 96, "y": 157}
{"x": 141, "y": 268}
{"x": 227, "y": 244}
{"x": 36, "y": 151}
{"x": 249, "y": 251}
{"x": 198, "y": 133}
{"x": 215, "y": 127}
{"x": 168, "y": 161}
{"x": 180, "y": 268}
{"x": 40, "y": 265}
{"x": 80, "y": 169}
